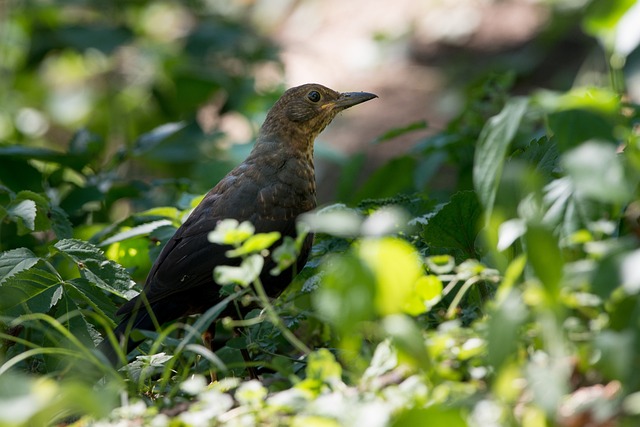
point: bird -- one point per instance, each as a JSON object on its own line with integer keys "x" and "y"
{"x": 270, "y": 189}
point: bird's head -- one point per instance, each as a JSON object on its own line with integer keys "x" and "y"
{"x": 304, "y": 111}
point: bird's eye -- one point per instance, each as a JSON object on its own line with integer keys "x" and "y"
{"x": 314, "y": 96}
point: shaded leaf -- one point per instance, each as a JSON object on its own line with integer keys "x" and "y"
{"x": 15, "y": 261}
{"x": 456, "y": 224}
{"x": 491, "y": 150}
{"x": 26, "y": 285}
{"x": 399, "y": 131}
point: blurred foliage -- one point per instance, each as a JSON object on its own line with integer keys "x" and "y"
{"x": 510, "y": 299}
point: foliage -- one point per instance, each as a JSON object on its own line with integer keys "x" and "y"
{"x": 511, "y": 300}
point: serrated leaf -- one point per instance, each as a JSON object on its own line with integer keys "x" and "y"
{"x": 26, "y": 285}
{"x": 15, "y": 261}
{"x": 491, "y": 149}
{"x": 541, "y": 153}
{"x": 94, "y": 266}
{"x": 456, "y": 224}
{"x": 60, "y": 223}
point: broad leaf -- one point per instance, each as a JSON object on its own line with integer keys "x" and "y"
{"x": 94, "y": 266}
{"x": 491, "y": 150}
{"x": 15, "y": 261}
{"x": 455, "y": 226}
{"x": 26, "y": 285}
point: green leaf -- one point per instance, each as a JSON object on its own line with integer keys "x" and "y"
{"x": 455, "y": 226}
{"x": 399, "y": 131}
{"x": 504, "y": 323}
{"x": 245, "y": 274}
{"x": 231, "y": 232}
{"x": 255, "y": 243}
{"x": 26, "y": 285}
{"x": 544, "y": 255}
{"x": 573, "y": 127}
{"x": 15, "y": 261}
{"x": 408, "y": 338}
{"x": 94, "y": 266}
{"x": 284, "y": 255}
{"x": 60, "y": 223}
{"x": 139, "y": 230}
{"x": 597, "y": 171}
{"x": 346, "y": 296}
{"x": 23, "y": 213}
{"x": 396, "y": 176}
{"x": 436, "y": 415}
{"x": 602, "y": 18}
{"x": 491, "y": 150}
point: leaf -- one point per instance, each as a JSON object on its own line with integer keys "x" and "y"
{"x": 347, "y": 292}
{"x": 23, "y": 213}
{"x": 602, "y": 18}
{"x": 408, "y": 338}
{"x": 139, "y": 230}
{"x": 399, "y": 131}
{"x": 245, "y": 274}
{"x": 15, "y": 261}
{"x": 41, "y": 222}
{"x": 396, "y": 268}
{"x": 26, "y": 285}
{"x": 435, "y": 415}
{"x": 60, "y": 223}
{"x": 503, "y": 330}
{"x": 396, "y": 176}
{"x": 573, "y": 127}
{"x": 597, "y": 171}
{"x": 455, "y": 226}
{"x": 491, "y": 149}
{"x": 284, "y": 255}
{"x": 254, "y": 244}
{"x": 542, "y": 154}
{"x": 94, "y": 266}
{"x": 544, "y": 255}
{"x": 231, "y": 232}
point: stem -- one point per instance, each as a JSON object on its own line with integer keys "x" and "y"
{"x": 276, "y": 320}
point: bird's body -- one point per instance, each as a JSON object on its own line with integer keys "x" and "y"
{"x": 270, "y": 189}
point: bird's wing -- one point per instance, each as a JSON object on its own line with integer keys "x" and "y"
{"x": 188, "y": 259}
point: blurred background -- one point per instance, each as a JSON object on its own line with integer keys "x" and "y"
{"x": 167, "y": 96}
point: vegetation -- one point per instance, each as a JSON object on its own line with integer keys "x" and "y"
{"x": 510, "y": 300}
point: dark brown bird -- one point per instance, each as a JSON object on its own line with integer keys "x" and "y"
{"x": 274, "y": 185}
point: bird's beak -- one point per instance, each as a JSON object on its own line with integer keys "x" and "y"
{"x": 349, "y": 99}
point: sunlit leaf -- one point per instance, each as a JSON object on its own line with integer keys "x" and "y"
{"x": 256, "y": 243}
{"x": 396, "y": 268}
{"x": 95, "y": 267}
{"x": 231, "y": 232}
{"x": 244, "y": 275}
